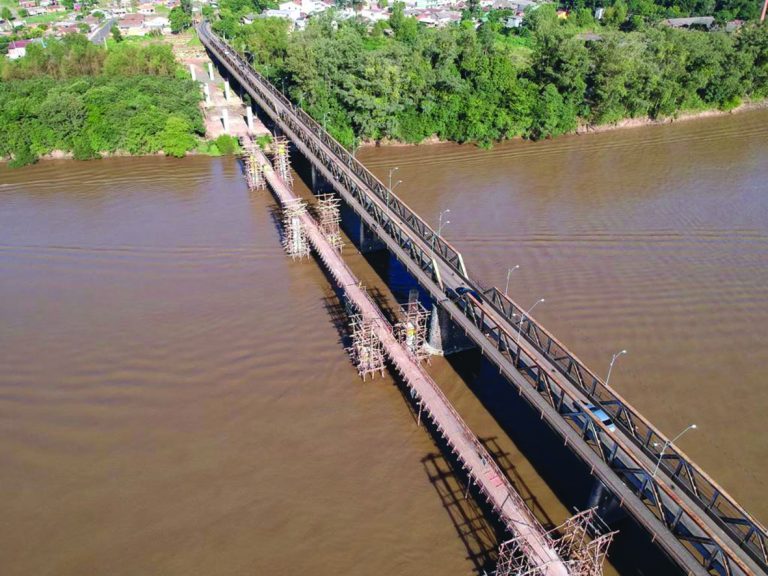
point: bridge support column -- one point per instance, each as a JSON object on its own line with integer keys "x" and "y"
{"x": 369, "y": 242}
{"x": 207, "y": 93}
{"x": 249, "y": 118}
{"x": 606, "y": 503}
{"x": 227, "y": 91}
{"x": 225, "y": 120}
{"x": 192, "y": 72}
{"x": 444, "y": 337}
{"x": 320, "y": 184}
{"x": 364, "y": 239}
{"x": 210, "y": 70}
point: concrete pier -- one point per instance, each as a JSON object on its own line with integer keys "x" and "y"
{"x": 225, "y": 120}
{"x": 444, "y": 336}
{"x": 207, "y": 94}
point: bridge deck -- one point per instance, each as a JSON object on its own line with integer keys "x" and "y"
{"x": 475, "y": 459}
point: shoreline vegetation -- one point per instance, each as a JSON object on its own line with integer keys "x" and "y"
{"x": 393, "y": 83}
{"x": 586, "y": 129}
{"x": 479, "y": 81}
{"x": 73, "y": 99}
{"x": 582, "y": 130}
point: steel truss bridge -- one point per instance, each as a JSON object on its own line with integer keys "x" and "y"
{"x": 695, "y": 521}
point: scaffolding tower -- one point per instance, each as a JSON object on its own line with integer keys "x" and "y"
{"x": 281, "y": 160}
{"x": 367, "y": 350}
{"x": 294, "y": 234}
{"x": 581, "y": 543}
{"x": 330, "y": 218}
{"x": 254, "y": 169}
{"x": 411, "y": 331}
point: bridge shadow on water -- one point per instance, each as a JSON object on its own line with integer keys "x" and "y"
{"x": 632, "y": 552}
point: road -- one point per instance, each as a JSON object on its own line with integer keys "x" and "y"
{"x": 98, "y": 35}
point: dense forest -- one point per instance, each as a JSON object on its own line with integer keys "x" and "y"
{"x": 399, "y": 80}
{"x": 74, "y": 96}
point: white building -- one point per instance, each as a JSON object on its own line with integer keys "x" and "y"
{"x": 18, "y": 49}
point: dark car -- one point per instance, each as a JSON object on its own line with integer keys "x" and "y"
{"x": 461, "y": 290}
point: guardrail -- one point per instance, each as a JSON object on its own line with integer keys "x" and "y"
{"x": 731, "y": 517}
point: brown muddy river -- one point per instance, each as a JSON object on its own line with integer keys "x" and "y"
{"x": 175, "y": 399}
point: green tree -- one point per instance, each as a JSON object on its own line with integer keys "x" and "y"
{"x": 117, "y": 36}
{"x": 226, "y": 144}
{"x": 176, "y": 138}
{"x": 6, "y": 14}
{"x": 179, "y": 20}
{"x": 617, "y": 14}
{"x": 405, "y": 27}
{"x": 552, "y": 115}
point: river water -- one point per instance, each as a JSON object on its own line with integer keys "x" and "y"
{"x": 175, "y": 398}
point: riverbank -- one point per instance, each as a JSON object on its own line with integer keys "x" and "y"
{"x": 593, "y": 128}
{"x": 223, "y": 145}
{"x": 682, "y": 117}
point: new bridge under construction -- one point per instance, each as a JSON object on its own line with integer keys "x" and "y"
{"x": 637, "y": 469}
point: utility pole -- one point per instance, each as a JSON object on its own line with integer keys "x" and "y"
{"x": 765, "y": 9}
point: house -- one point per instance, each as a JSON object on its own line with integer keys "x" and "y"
{"x": 146, "y": 9}
{"x": 733, "y": 25}
{"x": 18, "y": 49}
{"x": 131, "y": 25}
{"x": 67, "y": 29}
{"x": 514, "y": 22}
{"x": 298, "y": 7}
{"x": 277, "y": 14}
{"x": 159, "y": 23}
{"x": 699, "y": 22}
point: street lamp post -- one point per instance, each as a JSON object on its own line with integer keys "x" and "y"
{"x": 667, "y": 444}
{"x": 440, "y": 224}
{"x": 509, "y": 272}
{"x": 615, "y": 356}
{"x": 392, "y": 171}
{"x": 389, "y": 188}
{"x": 522, "y": 319}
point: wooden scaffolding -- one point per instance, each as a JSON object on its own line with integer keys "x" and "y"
{"x": 329, "y": 218}
{"x": 411, "y": 331}
{"x": 254, "y": 169}
{"x": 281, "y": 160}
{"x": 581, "y": 542}
{"x": 294, "y": 235}
{"x": 367, "y": 350}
